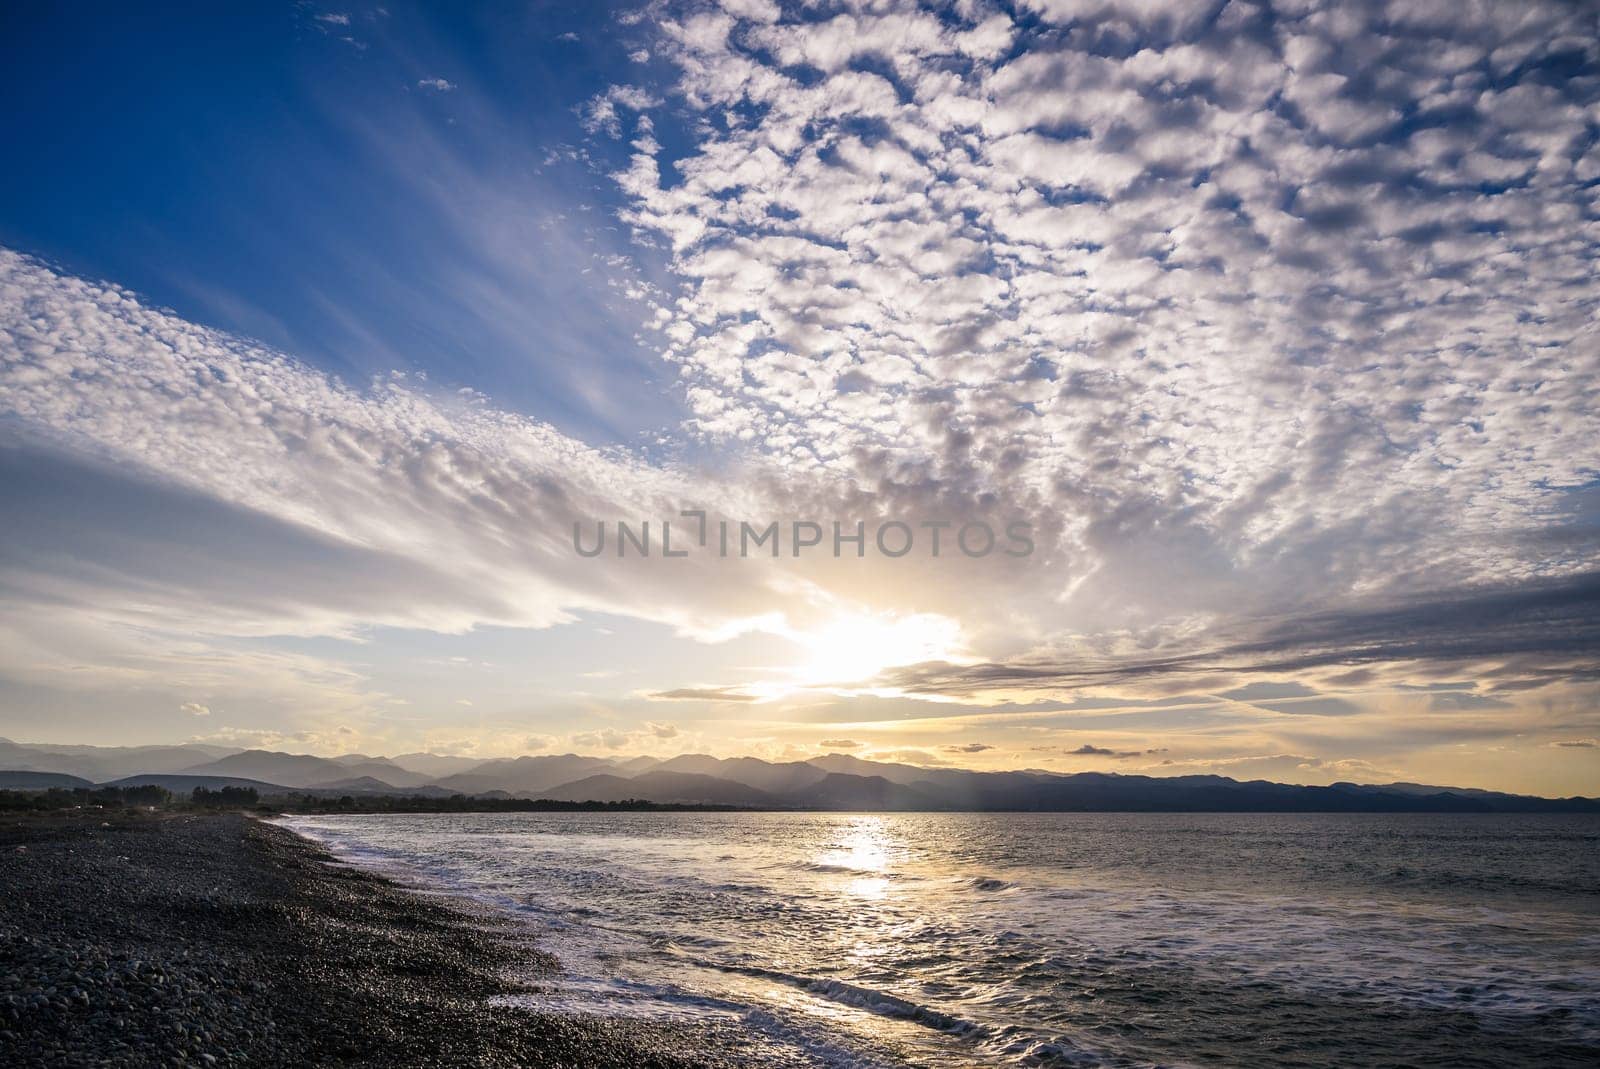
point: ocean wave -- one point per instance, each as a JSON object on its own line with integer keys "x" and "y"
{"x": 990, "y": 883}
{"x": 857, "y": 996}
{"x": 1008, "y": 1045}
{"x": 843, "y": 870}
{"x": 681, "y": 939}
{"x": 1046, "y": 967}
{"x": 887, "y": 1005}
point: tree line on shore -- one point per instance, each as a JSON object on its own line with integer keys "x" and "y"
{"x": 150, "y": 796}
{"x": 147, "y": 796}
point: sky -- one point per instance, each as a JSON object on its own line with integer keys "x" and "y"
{"x": 1270, "y": 330}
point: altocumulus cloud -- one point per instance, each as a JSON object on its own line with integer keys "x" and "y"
{"x": 270, "y": 498}
{"x": 1277, "y": 320}
{"x": 1265, "y": 305}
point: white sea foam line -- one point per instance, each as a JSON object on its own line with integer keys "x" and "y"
{"x": 578, "y": 993}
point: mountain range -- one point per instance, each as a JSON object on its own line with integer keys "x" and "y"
{"x": 833, "y": 781}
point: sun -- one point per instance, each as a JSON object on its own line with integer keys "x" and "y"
{"x": 852, "y": 648}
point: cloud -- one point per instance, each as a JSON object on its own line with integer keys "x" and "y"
{"x": 1091, "y": 750}
{"x": 648, "y": 736}
{"x": 279, "y": 500}
{"x": 908, "y": 756}
{"x": 701, "y": 694}
{"x": 968, "y": 747}
{"x": 337, "y": 739}
{"x": 255, "y": 738}
{"x": 601, "y": 112}
{"x": 1523, "y": 635}
{"x": 1312, "y": 707}
{"x": 1264, "y": 689}
{"x": 1251, "y": 317}
{"x": 438, "y": 85}
{"x": 194, "y": 709}
{"x": 840, "y": 744}
{"x": 606, "y": 738}
{"x": 1277, "y": 326}
{"x": 1458, "y": 701}
{"x": 1284, "y": 768}
{"x": 334, "y": 19}
{"x": 1577, "y": 744}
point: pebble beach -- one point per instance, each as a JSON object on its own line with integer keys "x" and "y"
{"x": 155, "y": 939}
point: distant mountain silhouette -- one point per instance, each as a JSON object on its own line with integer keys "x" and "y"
{"x": 855, "y": 766}
{"x": 21, "y": 780}
{"x": 365, "y": 784}
{"x": 100, "y": 763}
{"x": 838, "y": 790}
{"x": 660, "y": 786}
{"x": 697, "y": 763}
{"x": 526, "y": 775}
{"x": 291, "y": 770}
{"x": 763, "y": 775}
{"x": 388, "y": 772}
{"x": 435, "y": 765}
{"x": 833, "y": 781}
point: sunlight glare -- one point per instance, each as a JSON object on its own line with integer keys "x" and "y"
{"x": 857, "y": 646}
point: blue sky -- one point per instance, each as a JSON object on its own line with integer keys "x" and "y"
{"x": 294, "y": 180}
{"x": 321, "y": 324}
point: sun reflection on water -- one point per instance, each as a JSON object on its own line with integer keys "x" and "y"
{"x": 863, "y": 854}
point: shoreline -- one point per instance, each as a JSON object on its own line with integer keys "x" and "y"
{"x": 197, "y": 939}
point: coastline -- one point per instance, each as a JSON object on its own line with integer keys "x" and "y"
{"x": 189, "y": 939}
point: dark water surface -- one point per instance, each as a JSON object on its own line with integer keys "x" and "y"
{"x": 1052, "y": 939}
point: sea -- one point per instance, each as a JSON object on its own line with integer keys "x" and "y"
{"x": 1059, "y": 939}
